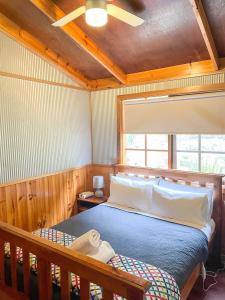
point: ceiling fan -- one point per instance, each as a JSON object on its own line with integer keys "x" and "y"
{"x": 96, "y": 14}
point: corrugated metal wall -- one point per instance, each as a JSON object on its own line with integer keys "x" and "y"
{"x": 43, "y": 128}
{"x": 47, "y": 128}
{"x": 16, "y": 59}
{"x": 104, "y": 112}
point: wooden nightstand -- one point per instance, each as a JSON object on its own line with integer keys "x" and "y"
{"x": 84, "y": 204}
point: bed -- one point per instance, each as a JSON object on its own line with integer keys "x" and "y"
{"x": 137, "y": 236}
{"x": 102, "y": 218}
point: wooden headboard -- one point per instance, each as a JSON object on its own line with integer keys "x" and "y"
{"x": 189, "y": 178}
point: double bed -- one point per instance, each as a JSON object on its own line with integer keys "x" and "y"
{"x": 175, "y": 248}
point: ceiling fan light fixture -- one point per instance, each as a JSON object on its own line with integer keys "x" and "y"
{"x": 96, "y": 13}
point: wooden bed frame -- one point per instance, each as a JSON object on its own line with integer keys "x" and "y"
{"x": 190, "y": 178}
{"x": 110, "y": 279}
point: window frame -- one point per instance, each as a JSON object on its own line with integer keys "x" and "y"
{"x": 172, "y": 163}
{"x": 172, "y": 151}
{"x": 199, "y": 152}
{"x": 146, "y": 150}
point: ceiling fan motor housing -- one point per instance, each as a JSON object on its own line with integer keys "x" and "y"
{"x": 96, "y": 4}
{"x": 96, "y": 14}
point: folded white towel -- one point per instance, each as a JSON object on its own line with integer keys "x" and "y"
{"x": 87, "y": 242}
{"x": 103, "y": 253}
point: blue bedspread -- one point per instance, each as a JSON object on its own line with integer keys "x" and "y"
{"x": 175, "y": 248}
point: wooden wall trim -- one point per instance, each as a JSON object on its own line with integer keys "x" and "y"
{"x": 33, "y": 44}
{"x": 42, "y": 81}
{"x": 199, "y": 89}
{"x": 182, "y": 71}
{"x": 120, "y": 130}
{"x": 189, "y": 70}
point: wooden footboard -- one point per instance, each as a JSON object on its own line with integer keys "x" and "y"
{"x": 110, "y": 279}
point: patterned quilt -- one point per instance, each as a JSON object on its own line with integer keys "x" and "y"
{"x": 163, "y": 285}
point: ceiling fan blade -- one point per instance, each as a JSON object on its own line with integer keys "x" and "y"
{"x": 70, "y": 17}
{"x": 124, "y": 15}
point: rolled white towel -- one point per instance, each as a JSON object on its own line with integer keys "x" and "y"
{"x": 103, "y": 253}
{"x": 87, "y": 242}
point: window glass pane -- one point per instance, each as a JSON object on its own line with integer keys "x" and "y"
{"x": 213, "y": 163}
{"x": 187, "y": 161}
{"x": 134, "y": 158}
{"x": 187, "y": 142}
{"x": 135, "y": 141}
{"x": 157, "y": 141}
{"x": 157, "y": 159}
{"x": 213, "y": 143}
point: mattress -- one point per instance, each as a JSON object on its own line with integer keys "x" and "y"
{"x": 175, "y": 248}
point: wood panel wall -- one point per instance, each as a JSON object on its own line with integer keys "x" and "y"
{"x": 47, "y": 200}
{"x": 43, "y": 201}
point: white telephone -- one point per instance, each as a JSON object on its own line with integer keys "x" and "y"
{"x": 85, "y": 195}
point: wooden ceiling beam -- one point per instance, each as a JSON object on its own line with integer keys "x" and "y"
{"x": 174, "y": 72}
{"x": 206, "y": 31}
{"x": 30, "y": 42}
{"x": 77, "y": 35}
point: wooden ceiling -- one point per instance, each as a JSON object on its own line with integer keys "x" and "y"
{"x": 178, "y": 38}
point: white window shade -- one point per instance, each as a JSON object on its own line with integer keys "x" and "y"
{"x": 192, "y": 114}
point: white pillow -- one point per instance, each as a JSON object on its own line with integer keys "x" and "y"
{"x": 187, "y": 207}
{"x": 130, "y": 181}
{"x": 133, "y": 194}
{"x": 193, "y": 189}
{"x": 138, "y": 178}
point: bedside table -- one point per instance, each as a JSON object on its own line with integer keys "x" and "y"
{"x": 84, "y": 204}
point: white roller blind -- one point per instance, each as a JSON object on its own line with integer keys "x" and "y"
{"x": 195, "y": 114}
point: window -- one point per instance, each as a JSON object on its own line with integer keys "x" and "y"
{"x": 186, "y": 152}
{"x": 146, "y": 150}
{"x": 205, "y": 153}
{"x": 157, "y": 151}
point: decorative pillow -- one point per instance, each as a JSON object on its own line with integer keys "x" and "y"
{"x": 133, "y": 194}
{"x": 192, "y": 189}
{"x": 186, "y": 207}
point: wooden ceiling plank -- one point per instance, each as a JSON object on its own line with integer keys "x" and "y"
{"x": 77, "y": 35}
{"x": 169, "y": 73}
{"x": 30, "y": 42}
{"x": 206, "y": 31}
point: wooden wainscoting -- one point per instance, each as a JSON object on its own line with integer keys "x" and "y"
{"x": 43, "y": 201}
